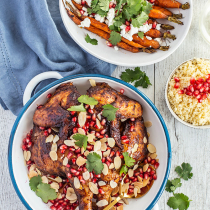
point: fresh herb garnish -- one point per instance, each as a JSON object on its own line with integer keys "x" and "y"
{"x": 104, "y": 5}
{"x": 94, "y": 163}
{"x": 87, "y": 100}
{"x": 136, "y": 75}
{"x": 185, "y": 171}
{"x": 124, "y": 169}
{"x": 91, "y": 41}
{"x": 114, "y": 37}
{"x": 43, "y": 190}
{"x": 139, "y": 20}
{"x": 79, "y": 108}
{"x": 81, "y": 140}
{"x": 141, "y": 35}
{"x": 109, "y": 112}
{"x": 173, "y": 184}
{"x": 129, "y": 161}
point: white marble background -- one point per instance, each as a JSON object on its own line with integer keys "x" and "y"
{"x": 188, "y": 144}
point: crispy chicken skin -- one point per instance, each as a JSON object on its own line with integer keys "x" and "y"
{"x": 136, "y": 137}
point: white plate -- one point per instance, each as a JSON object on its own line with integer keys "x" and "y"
{"x": 158, "y": 136}
{"x": 122, "y": 57}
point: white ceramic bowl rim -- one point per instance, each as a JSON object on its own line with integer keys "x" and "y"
{"x": 15, "y": 126}
{"x": 169, "y": 106}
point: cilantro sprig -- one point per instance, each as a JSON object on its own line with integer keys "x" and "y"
{"x": 94, "y": 163}
{"x": 81, "y": 140}
{"x": 140, "y": 77}
{"x": 87, "y": 100}
{"x": 42, "y": 190}
{"x": 184, "y": 171}
{"x": 115, "y": 37}
{"x": 79, "y": 108}
{"x": 172, "y": 185}
{"x": 91, "y": 41}
{"x": 129, "y": 161}
{"x": 109, "y": 112}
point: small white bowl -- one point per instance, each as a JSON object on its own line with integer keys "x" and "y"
{"x": 169, "y": 106}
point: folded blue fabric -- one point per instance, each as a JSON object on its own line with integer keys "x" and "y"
{"x": 33, "y": 40}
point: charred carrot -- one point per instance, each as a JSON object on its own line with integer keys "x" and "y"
{"x": 78, "y": 6}
{"x": 171, "y": 4}
{"x": 146, "y": 42}
{"x": 163, "y": 26}
{"x": 154, "y": 33}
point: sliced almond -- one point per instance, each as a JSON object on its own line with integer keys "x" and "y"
{"x": 105, "y": 169}
{"x": 32, "y": 168}
{"x": 71, "y": 197}
{"x": 101, "y": 183}
{"x": 135, "y": 148}
{"x": 111, "y": 142}
{"x": 86, "y": 175}
{"x": 90, "y": 137}
{"x": 54, "y": 147}
{"x": 73, "y": 201}
{"x": 138, "y": 184}
{"x": 103, "y": 147}
{"x": 115, "y": 190}
{"x": 86, "y": 153}
{"x": 27, "y": 155}
{"x": 113, "y": 184}
{"x": 123, "y": 120}
{"x": 125, "y": 187}
{"x": 145, "y": 167}
{"x": 153, "y": 156}
{"x": 76, "y": 183}
{"x": 53, "y": 155}
{"x": 145, "y": 140}
{"x": 58, "y": 179}
{"x": 135, "y": 167}
{"x": 82, "y": 118}
{"x": 99, "y": 153}
{"x": 59, "y": 196}
{"x": 136, "y": 191}
{"x": 54, "y": 186}
{"x": 130, "y": 172}
{"x": 92, "y": 82}
{"x": 45, "y": 180}
{"x": 38, "y": 171}
{"x": 98, "y": 123}
{"x": 69, "y": 143}
{"x": 104, "y": 140}
{"x": 145, "y": 182}
{"x": 65, "y": 161}
{"x": 102, "y": 203}
{"x": 49, "y": 138}
{"x": 106, "y": 154}
{"x": 148, "y": 124}
{"x": 111, "y": 166}
{"x": 82, "y": 150}
{"x": 56, "y": 129}
{"x": 55, "y": 139}
{"x": 32, "y": 174}
{"x": 117, "y": 162}
{"x": 93, "y": 187}
{"x": 140, "y": 179}
{"x": 80, "y": 130}
{"x": 97, "y": 146}
{"x": 151, "y": 148}
{"x": 99, "y": 116}
{"x": 80, "y": 161}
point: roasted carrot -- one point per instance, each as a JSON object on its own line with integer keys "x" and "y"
{"x": 146, "y": 42}
{"x": 154, "y": 33}
{"x": 78, "y": 6}
{"x": 163, "y": 26}
{"x": 171, "y": 4}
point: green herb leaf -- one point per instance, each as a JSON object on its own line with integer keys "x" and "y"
{"x": 179, "y": 201}
{"x": 45, "y": 192}
{"x": 140, "y": 20}
{"x": 109, "y": 112}
{"x": 94, "y": 163}
{"x": 34, "y": 182}
{"x": 87, "y": 100}
{"x": 114, "y": 37}
{"x": 118, "y": 5}
{"x": 131, "y": 75}
{"x": 143, "y": 81}
{"x": 124, "y": 170}
{"x": 81, "y": 140}
{"x": 147, "y": 7}
{"x": 185, "y": 171}
{"x": 91, "y": 41}
{"x": 104, "y": 5}
{"x": 114, "y": 28}
{"x": 141, "y": 35}
{"x": 79, "y": 108}
{"x": 129, "y": 161}
{"x": 172, "y": 185}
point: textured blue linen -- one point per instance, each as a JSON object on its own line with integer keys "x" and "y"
{"x": 33, "y": 40}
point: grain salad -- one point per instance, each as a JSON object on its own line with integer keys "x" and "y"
{"x": 188, "y": 92}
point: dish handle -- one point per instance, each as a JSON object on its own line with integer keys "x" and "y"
{"x": 156, "y": 207}
{"x": 36, "y": 80}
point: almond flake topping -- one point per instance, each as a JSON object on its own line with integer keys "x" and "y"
{"x": 130, "y": 172}
{"x": 138, "y": 184}
{"x": 45, "y": 179}
{"x": 145, "y": 140}
{"x": 125, "y": 187}
{"x": 104, "y": 140}
{"x": 135, "y": 148}
{"x": 82, "y": 118}
{"x": 103, "y": 147}
{"x": 70, "y": 195}
{"x": 27, "y": 155}
{"x": 117, "y": 162}
{"x": 54, "y": 147}
{"x": 99, "y": 116}
{"x": 55, "y": 139}
{"x": 113, "y": 184}
{"x": 86, "y": 153}
{"x": 148, "y": 124}
{"x": 58, "y": 179}
{"x": 102, "y": 203}
{"x": 92, "y": 82}
{"x": 59, "y": 196}
{"x": 69, "y": 143}
{"x": 98, "y": 123}
{"x": 111, "y": 142}
{"x": 86, "y": 175}
{"x": 111, "y": 166}
{"x": 151, "y": 148}
{"x": 97, "y": 146}
{"x": 136, "y": 191}
{"x": 53, "y": 155}
{"x": 32, "y": 174}
{"x": 145, "y": 167}
{"x": 80, "y": 161}
{"x": 101, "y": 183}
{"x": 135, "y": 167}
{"x": 145, "y": 182}
{"x": 80, "y": 130}
{"x": 49, "y": 138}
{"x": 76, "y": 183}
{"x": 93, "y": 187}
{"x": 55, "y": 186}
{"x": 105, "y": 169}
{"x": 38, "y": 171}
{"x": 153, "y": 156}
{"x": 90, "y": 137}
{"x": 106, "y": 154}
{"x": 65, "y": 161}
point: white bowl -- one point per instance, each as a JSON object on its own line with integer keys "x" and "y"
{"x": 158, "y": 136}
{"x": 122, "y": 57}
{"x": 169, "y": 106}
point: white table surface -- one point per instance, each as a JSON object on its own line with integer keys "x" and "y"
{"x": 188, "y": 144}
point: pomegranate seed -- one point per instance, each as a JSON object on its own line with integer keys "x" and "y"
{"x": 114, "y": 5}
{"x": 181, "y": 91}
{"x": 156, "y": 165}
{"x": 208, "y": 76}
{"x": 204, "y": 96}
{"x": 198, "y": 96}
{"x": 118, "y": 153}
{"x": 124, "y": 137}
{"x": 83, "y": 2}
{"x": 208, "y": 80}
{"x": 112, "y": 153}
{"x": 152, "y": 172}
{"x": 97, "y": 134}
{"x": 49, "y": 130}
{"x": 69, "y": 155}
{"x": 94, "y": 180}
{"x": 39, "y": 107}
{"x": 100, "y": 191}
{"x": 132, "y": 128}
{"x": 206, "y": 84}
{"x": 192, "y": 80}
{"x": 63, "y": 146}
{"x": 122, "y": 90}
{"x": 176, "y": 85}
{"x": 103, "y": 131}
{"x": 126, "y": 141}
{"x": 121, "y": 156}
{"x": 108, "y": 44}
{"x": 77, "y": 173}
{"x": 132, "y": 119}
{"x": 94, "y": 117}
{"x": 78, "y": 150}
{"x": 24, "y": 147}
{"x": 109, "y": 159}
{"x": 73, "y": 113}
{"x": 92, "y": 123}
{"x": 189, "y": 93}
{"x": 200, "y": 100}
{"x": 200, "y": 80}
{"x": 199, "y": 86}
{"x": 72, "y": 149}
{"x": 75, "y": 130}
{"x": 130, "y": 191}
{"x": 69, "y": 175}
{"x": 154, "y": 177}
{"x": 153, "y": 161}
{"x": 202, "y": 89}
{"x": 126, "y": 180}
{"x": 49, "y": 95}
{"x": 206, "y": 89}
{"x": 141, "y": 170}
{"x": 149, "y": 170}
{"x": 90, "y": 111}
{"x": 103, "y": 160}
{"x": 149, "y": 159}
{"x": 98, "y": 175}
{"x": 82, "y": 12}
{"x": 128, "y": 28}
{"x": 145, "y": 161}
{"x": 154, "y": 24}
{"x": 62, "y": 151}
{"x": 127, "y": 23}
{"x": 103, "y": 122}
{"x": 74, "y": 119}
{"x": 146, "y": 176}
{"x": 108, "y": 163}
{"x": 90, "y": 147}
{"x": 73, "y": 160}
{"x": 53, "y": 208}
{"x": 196, "y": 92}
{"x": 41, "y": 128}
{"x": 176, "y": 79}
{"x": 141, "y": 175}
{"x": 191, "y": 88}
{"x": 29, "y": 144}
{"x": 27, "y": 140}
{"x": 28, "y": 162}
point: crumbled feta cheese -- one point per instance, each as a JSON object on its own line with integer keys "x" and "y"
{"x": 116, "y": 48}
{"x": 158, "y": 27}
{"x": 99, "y": 18}
{"x": 107, "y": 22}
{"x": 78, "y": 1}
{"x": 130, "y": 33}
{"x": 84, "y": 9}
{"x": 89, "y": 2}
{"x": 85, "y": 23}
{"x": 145, "y": 28}
{"x": 149, "y": 38}
{"x": 110, "y": 16}
{"x": 159, "y": 40}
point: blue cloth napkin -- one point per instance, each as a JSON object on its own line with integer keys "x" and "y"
{"x": 33, "y": 40}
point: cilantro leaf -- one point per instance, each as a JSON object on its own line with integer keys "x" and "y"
{"x": 114, "y": 28}
{"x": 124, "y": 170}
{"x": 141, "y": 35}
{"x": 104, "y": 5}
{"x": 179, "y": 201}
{"x": 81, "y": 140}
{"x": 172, "y": 185}
{"x": 91, "y": 41}
{"x": 114, "y": 37}
{"x": 79, "y": 108}
{"x": 131, "y": 75}
{"x": 87, "y": 100}
{"x": 109, "y": 112}
{"x": 34, "y": 182}
{"x": 118, "y": 5}
{"x": 94, "y": 3}
{"x": 129, "y": 161}
{"x": 185, "y": 171}
{"x": 147, "y": 7}
{"x": 143, "y": 81}
{"x": 140, "y": 20}
{"x": 45, "y": 192}
{"x": 94, "y": 163}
